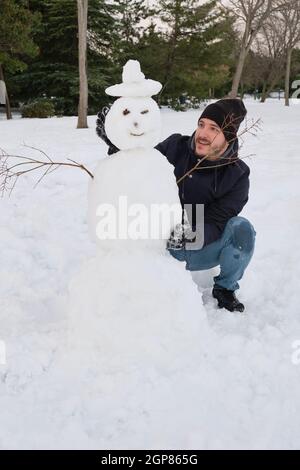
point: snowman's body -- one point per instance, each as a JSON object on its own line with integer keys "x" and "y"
{"x": 142, "y": 180}
{"x": 134, "y": 287}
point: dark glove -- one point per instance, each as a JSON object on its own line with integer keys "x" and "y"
{"x": 181, "y": 235}
{"x": 100, "y": 129}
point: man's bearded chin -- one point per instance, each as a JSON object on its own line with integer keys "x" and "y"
{"x": 217, "y": 152}
{"x": 213, "y": 152}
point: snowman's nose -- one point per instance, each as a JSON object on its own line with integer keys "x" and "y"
{"x": 135, "y": 124}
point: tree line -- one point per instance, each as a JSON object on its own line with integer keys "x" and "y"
{"x": 197, "y": 49}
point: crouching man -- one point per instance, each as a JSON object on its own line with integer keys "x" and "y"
{"x": 208, "y": 171}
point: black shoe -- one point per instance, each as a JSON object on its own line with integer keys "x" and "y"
{"x": 227, "y": 299}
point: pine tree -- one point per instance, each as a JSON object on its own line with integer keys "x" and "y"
{"x": 16, "y": 25}
{"x": 191, "y": 52}
{"x": 16, "y": 43}
{"x": 54, "y": 73}
{"x": 129, "y": 15}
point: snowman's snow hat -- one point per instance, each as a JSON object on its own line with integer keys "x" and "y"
{"x": 134, "y": 83}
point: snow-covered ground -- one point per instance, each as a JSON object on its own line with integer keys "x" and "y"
{"x": 243, "y": 389}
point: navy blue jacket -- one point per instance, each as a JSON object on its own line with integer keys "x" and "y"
{"x": 223, "y": 189}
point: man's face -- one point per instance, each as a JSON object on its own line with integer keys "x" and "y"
{"x": 209, "y": 140}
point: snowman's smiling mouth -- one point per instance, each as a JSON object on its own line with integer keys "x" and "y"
{"x": 137, "y": 135}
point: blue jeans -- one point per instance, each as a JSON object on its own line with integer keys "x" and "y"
{"x": 232, "y": 252}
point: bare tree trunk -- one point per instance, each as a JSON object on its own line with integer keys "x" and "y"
{"x": 82, "y": 6}
{"x": 287, "y": 77}
{"x": 242, "y": 90}
{"x": 238, "y": 72}
{"x": 267, "y": 90}
{"x": 7, "y": 103}
{"x": 263, "y": 93}
{"x": 253, "y": 13}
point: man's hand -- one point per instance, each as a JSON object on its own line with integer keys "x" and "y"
{"x": 100, "y": 129}
{"x": 181, "y": 235}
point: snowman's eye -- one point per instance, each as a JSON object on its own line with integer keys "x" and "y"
{"x": 126, "y": 111}
{"x": 145, "y": 111}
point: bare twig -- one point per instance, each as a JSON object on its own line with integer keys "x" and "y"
{"x": 10, "y": 173}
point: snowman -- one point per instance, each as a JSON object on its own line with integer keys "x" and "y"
{"x": 133, "y": 306}
{"x": 133, "y": 196}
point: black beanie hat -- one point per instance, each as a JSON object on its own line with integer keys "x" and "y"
{"x": 228, "y": 114}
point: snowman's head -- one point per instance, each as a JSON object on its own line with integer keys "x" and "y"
{"x": 133, "y": 122}
{"x": 134, "y": 119}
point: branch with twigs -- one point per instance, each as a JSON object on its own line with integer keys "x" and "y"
{"x": 10, "y": 172}
{"x": 252, "y": 129}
